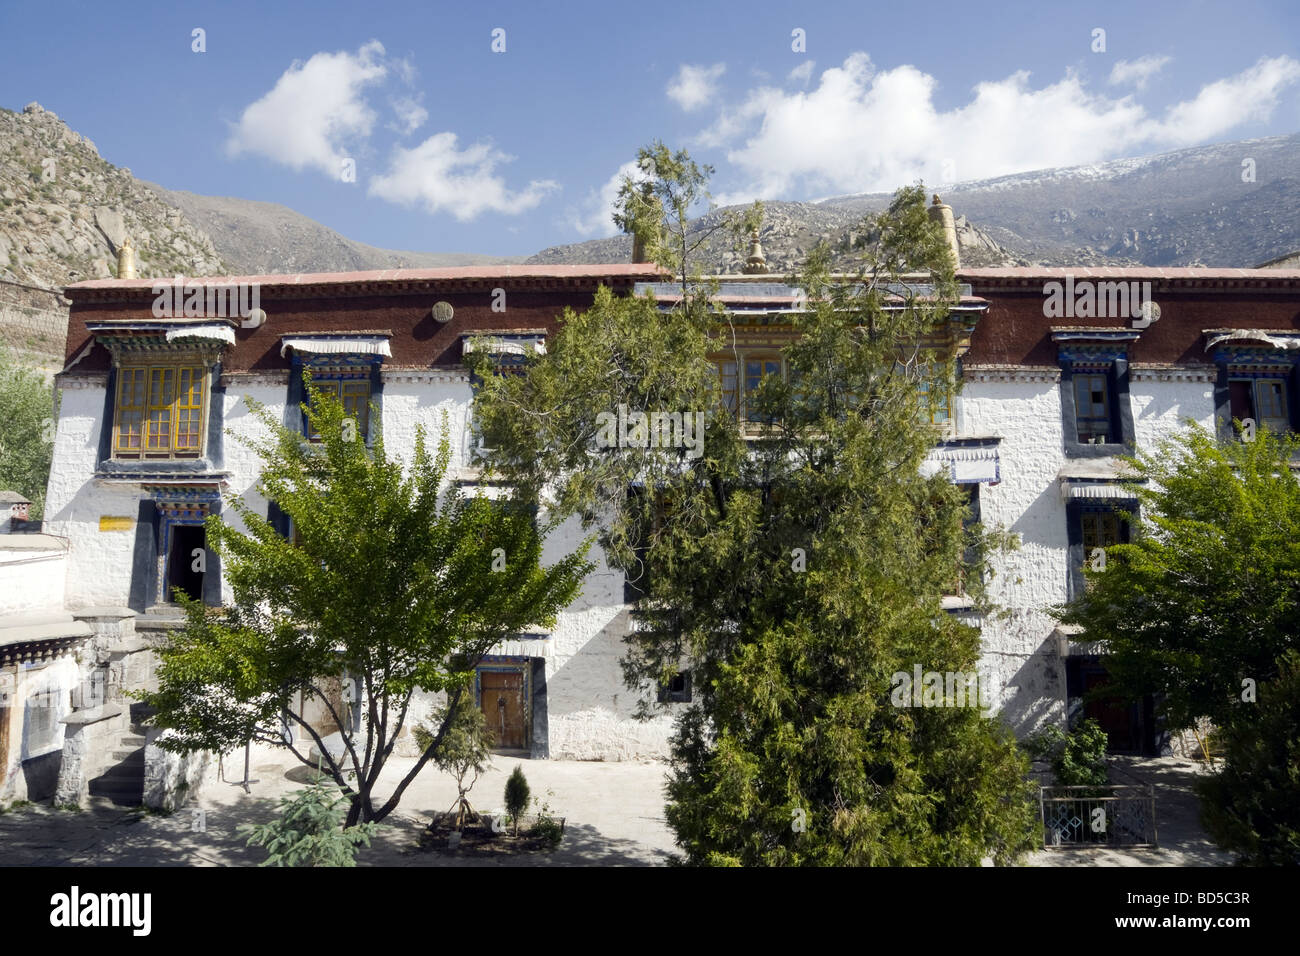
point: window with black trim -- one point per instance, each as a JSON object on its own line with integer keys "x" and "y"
{"x": 636, "y": 580}
{"x": 1097, "y": 420}
{"x": 1094, "y": 526}
{"x": 1096, "y": 414}
{"x": 1094, "y": 421}
{"x": 677, "y": 690}
{"x": 1264, "y": 399}
{"x": 968, "y": 570}
{"x": 351, "y": 387}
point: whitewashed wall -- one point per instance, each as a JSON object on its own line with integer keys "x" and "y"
{"x": 1024, "y": 407}
{"x": 1163, "y": 399}
{"x": 589, "y": 708}
{"x": 99, "y": 563}
{"x": 33, "y": 569}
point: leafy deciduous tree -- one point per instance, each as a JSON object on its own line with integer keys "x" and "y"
{"x": 466, "y": 747}
{"x": 1252, "y": 806}
{"x": 26, "y": 431}
{"x": 396, "y": 582}
{"x": 1200, "y": 606}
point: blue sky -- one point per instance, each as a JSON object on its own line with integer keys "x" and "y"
{"x": 458, "y": 148}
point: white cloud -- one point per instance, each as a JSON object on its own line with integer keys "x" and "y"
{"x": 1137, "y": 71}
{"x": 314, "y": 111}
{"x": 596, "y": 218}
{"x": 411, "y": 115}
{"x": 802, "y": 73}
{"x": 442, "y": 178}
{"x": 316, "y": 116}
{"x": 863, "y": 130}
{"x": 695, "y": 86}
{"x": 1247, "y": 97}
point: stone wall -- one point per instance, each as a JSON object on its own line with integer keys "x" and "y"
{"x": 171, "y": 780}
{"x": 88, "y": 743}
{"x": 34, "y": 322}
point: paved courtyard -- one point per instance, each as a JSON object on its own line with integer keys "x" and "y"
{"x": 613, "y": 811}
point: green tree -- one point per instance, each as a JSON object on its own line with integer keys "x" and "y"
{"x": 516, "y": 795}
{"x": 27, "y": 412}
{"x": 793, "y": 569}
{"x": 1201, "y": 605}
{"x": 1252, "y": 806}
{"x": 1078, "y": 758}
{"x": 655, "y": 206}
{"x": 307, "y": 830}
{"x": 466, "y": 747}
{"x": 397, "y": 583}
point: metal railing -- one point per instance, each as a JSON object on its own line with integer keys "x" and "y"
{"x": 1075, "y": 817}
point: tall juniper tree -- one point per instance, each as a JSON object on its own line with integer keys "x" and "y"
{"x": 792, "y": 564}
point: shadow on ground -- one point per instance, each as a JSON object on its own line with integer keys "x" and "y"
{"x": 109, "y": 835}
{"x": 583, "y": 845}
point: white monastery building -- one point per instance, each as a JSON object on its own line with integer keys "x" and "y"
{"x": 1062, "y": 370}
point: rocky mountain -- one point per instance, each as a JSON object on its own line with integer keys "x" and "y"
{"x": 790, "y": 230}
{"x": 64, "y": 210}
{"x": 258, "y": 238}
{"x": 1201, "y": 206}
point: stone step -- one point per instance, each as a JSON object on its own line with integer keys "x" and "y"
{"x": 131, "y": 766}
{"x": 118, "y": 788}
{"x": 133, "y": 755}
{"x": 132, "y": 740}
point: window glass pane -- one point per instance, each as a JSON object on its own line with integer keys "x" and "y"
{"x": 162, "y": 387}
{"x": 189, "y": 410}
{"x": 933, "y": 395}
{"x": 1100, "y": 530}
{"x": 727, "y": 374}
{"x": 756, "y": 369}
{"x": 1270, "y": 401}
{"x": 324, "y": 387}
{"x": 130, "y": 409}
{"x": 1092, "y": 407}
{"x": 356, "y": 405}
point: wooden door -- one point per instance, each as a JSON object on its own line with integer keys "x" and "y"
{"x": 1116, "y": 716}
{"x": 502, "y": 700}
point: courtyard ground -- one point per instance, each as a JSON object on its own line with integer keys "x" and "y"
{"x": 613, "y": 811}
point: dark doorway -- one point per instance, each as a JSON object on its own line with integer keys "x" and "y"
{"x": 187, "y": 561}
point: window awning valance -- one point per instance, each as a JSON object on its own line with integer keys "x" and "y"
{"x": 1096, "y": 478}
{"x": 1273, "y": 338}
{"x": 967, "y": 461}
{"x": 216, "y": 333}
{"x": 1073, "y": 490}
{"x": 336, "y": 345}
{"x": 504, "y": 343}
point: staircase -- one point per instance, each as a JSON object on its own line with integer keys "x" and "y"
{"x": 123, "y": 782}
